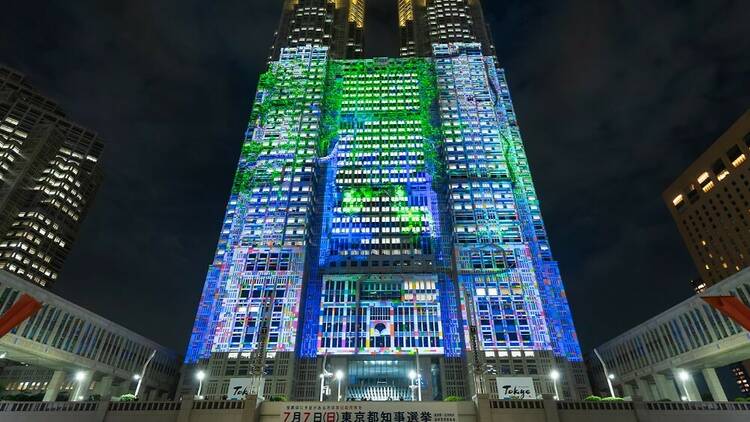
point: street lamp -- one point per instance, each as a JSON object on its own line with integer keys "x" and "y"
{"x": 137, "y": 378}
{"x": 143, "y": 372}
{"x": 607, "y": 375}
{"x": 685, "y": 377}
{"x": 80, "y": 376}
{"x": 610, "y": 378}
{"x": 339, "y": 377}
{"x": 323, "y": 377}
{"x": 415, "y": 385}
{"x": 200, "y": 376}
{"x": 555, "y": 375}
{"x": 412, "y": 387}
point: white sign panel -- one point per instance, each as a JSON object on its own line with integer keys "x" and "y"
{"x": 516, "y": 388}
{"x": 241, "y": 387}
{"x": 369, "y": 412}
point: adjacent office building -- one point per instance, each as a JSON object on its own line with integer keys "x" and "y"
{"x": 383, "y": 224}
{"x": 710, "y": 202}
{"x": 49, "y": 173}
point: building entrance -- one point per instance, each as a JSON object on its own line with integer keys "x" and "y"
{"x": 381, "y": 380}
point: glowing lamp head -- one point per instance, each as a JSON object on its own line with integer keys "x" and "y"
{"x": 412, "y": 375}
{"x": 555, "y": 374}
{"x": 80, "y": 376}
{"x": 200, "y": 375}
{"x": 339, "y": 375}
{"x": 684, "y": 376}
{"x": 136, "y": 377}
{"x": 611, "y": 376}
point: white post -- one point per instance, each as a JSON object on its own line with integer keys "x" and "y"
{"x": 557, "y": 395}
{"x": 339, "y": 377}
{"x": 607, "y": 375}
{"x": 143, "y": 372}
{"x": 684, "y": 377}
{"x": 419, "y": 378}
{"x": 555, "y": 375}
{"x": 323, "y": 376}
{"x": 200, "y": 375}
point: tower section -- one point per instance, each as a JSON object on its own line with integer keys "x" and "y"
{"x": 383, "y": 223}
{"x": 517, "y": 311}
{"x": 336, "y": 24}
{"x": 423, "y": 23}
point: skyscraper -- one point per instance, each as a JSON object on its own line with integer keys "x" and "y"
{"x": 709, "y": 202}
{"x": 383, "y": 223}
{"x": 49, "y": 173}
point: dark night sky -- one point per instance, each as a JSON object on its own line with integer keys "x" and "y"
{"x": 614, "y": 99}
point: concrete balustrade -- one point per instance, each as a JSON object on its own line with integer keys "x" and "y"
{"x": 482, "y": 409}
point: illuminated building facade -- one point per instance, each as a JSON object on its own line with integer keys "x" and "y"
{"x": 49, "y": 173}
{"x": 383, "y": 220}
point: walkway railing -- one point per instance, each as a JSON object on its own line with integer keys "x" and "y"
{"x": 27, "y": 406}
{"x": 138, "y": 406}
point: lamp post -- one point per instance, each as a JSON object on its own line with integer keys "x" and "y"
{"x": 200, "y": 376}
{"x": 555, "y": 375}
{"x": 412, "y": 387}
{"x": 339, "y": 377}
{"x": 137, "y": 378}
{"x": 685, "y": 377}
{"x": 607, "y": 375}
{"x": 143, "y": 372}
{"x": 80, "y": 376}
{"x": 323, "y": 377}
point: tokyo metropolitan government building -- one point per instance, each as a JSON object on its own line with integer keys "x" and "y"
{"x": 383, "y": 224}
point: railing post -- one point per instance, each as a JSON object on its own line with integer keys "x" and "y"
{"x": 641, "y": 410}
{"x": 186, "y": 406}
{"x": 484, "y": 410}
{"x": 551, "y": 414}
{"x": 249, "y": 412}
{"x": 101, "y": 410}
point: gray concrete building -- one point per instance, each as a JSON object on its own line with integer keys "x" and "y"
{"x": 64, "y": 348}
{"x": 666, "y": 356}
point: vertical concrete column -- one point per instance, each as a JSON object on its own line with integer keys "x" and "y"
{"x": 666, "y": 388}
{"x": 627, "y": 390}
{"x": 101, "y": 410}
{"x": 714, "y": 385}
{"x": 53, "y": 386}
{"x": 695, "y": 394}
{"x": 641, "y": 411}
{"x": 644, "y": 389}
{"x": 152, "y": 394}
{"x": 186, "y": 407}
{"x": 81, "y": 387}
{"x": 551, "y": 413}
{"x": 249, "y": 413}
{"x": 484, "y": 410}
{"x": 104, "y": 388}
